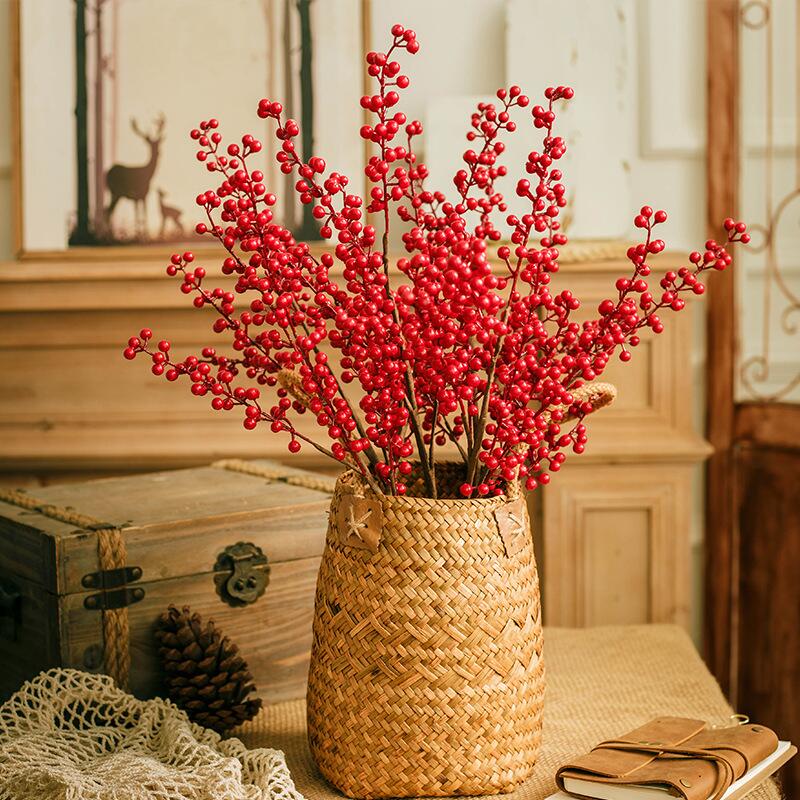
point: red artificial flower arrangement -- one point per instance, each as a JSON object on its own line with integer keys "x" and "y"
{"x": 469, "y": 349}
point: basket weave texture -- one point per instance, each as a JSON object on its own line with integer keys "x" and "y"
{"x": 426, "y": 674}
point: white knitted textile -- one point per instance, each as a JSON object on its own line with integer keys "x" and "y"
{"x": 70, "y": 735}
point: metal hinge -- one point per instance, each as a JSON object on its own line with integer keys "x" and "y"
{"x": 114, "y": 589}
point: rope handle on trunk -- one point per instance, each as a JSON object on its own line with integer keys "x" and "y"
{"x": 320, "y": 483}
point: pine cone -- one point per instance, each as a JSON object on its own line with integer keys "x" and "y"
{"x": 203, "y": 671}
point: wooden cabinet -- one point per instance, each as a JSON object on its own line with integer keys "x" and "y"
{"x": 615, "y": 542}
{"x": 613, "y": 530}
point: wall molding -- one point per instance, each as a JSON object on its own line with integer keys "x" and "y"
{"x": 686, "y": 136}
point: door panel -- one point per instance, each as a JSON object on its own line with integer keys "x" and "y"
{"x": 752, "y": 635}
{"x": 769, "y": 593}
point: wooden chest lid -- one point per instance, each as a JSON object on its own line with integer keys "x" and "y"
{"x": 174, "y": 523}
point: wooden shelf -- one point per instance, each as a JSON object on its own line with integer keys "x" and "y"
{"x": 141, "y": 282}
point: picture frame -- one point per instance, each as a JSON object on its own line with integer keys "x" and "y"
{"x": 56, "y": 213}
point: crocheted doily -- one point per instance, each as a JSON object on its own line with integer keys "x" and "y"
{"x": 75, "y": 736}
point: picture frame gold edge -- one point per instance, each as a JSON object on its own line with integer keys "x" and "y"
{"x": 366, "y": 46}
{"x": 15, "y": 22}
{"x": 154, "y": 252}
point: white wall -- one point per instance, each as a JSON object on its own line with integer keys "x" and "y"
{"x": 462, "y": 47}
{"x": 653, "y": 130}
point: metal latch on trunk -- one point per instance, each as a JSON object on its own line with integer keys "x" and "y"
{"x": 114, "y": 589}
{"x": 241, "y": 574}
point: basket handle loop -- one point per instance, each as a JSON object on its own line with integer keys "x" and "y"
{"x": 359, "y": 522}
{"x": 513, "y": 526}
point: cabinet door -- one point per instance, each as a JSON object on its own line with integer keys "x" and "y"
{"x": 616, "y": 545}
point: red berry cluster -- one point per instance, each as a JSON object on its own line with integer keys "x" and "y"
{"x": 471, "y": 347}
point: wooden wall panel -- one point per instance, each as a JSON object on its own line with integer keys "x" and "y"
{"x": 613, "y": 530}
{"x": 71, "y": 402}
{"x": 616, "y": 553}
{"x": 616, "y": 522}
{"x": 616, "y": 545}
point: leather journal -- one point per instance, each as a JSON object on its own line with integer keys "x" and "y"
{"x": 682, "y": 757}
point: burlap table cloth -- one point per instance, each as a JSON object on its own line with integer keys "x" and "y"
{"x": 601, "y": 683}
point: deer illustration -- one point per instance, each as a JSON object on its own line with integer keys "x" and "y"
{"x": 169, "y": 214}
{"x": 134, "y": 182}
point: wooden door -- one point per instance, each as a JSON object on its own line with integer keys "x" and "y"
{"x": 752, "y": 614}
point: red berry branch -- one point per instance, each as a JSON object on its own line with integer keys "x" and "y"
{"x": 472, "y": 346}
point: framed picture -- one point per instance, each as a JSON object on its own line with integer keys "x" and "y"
{"x": 108, "y": 91}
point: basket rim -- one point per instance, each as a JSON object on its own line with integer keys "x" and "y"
{"x": 352, "y": 477}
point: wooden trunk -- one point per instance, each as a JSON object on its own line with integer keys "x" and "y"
{"x": 176, "y": 527}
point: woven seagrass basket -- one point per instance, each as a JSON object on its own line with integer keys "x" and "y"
{"x": 426, "y": 673}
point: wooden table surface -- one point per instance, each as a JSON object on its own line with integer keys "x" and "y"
{"x": 601, "y": 683}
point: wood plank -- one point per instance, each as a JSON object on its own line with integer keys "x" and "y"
{"x": 722, "y": 186}
{"x": 124, "y": 446}
{"x": 616, "y": 553}
{"x": 144, "y": 262}
{"x": 181, "y": 496}
{"x": 80, "y": 634}
{"x": 140, "y": 283}
{"x": 187, "y": 548}
{"x": 110, "y": 328}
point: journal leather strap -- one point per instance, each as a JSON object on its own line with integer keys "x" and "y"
{"x": 726, "y": 774}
